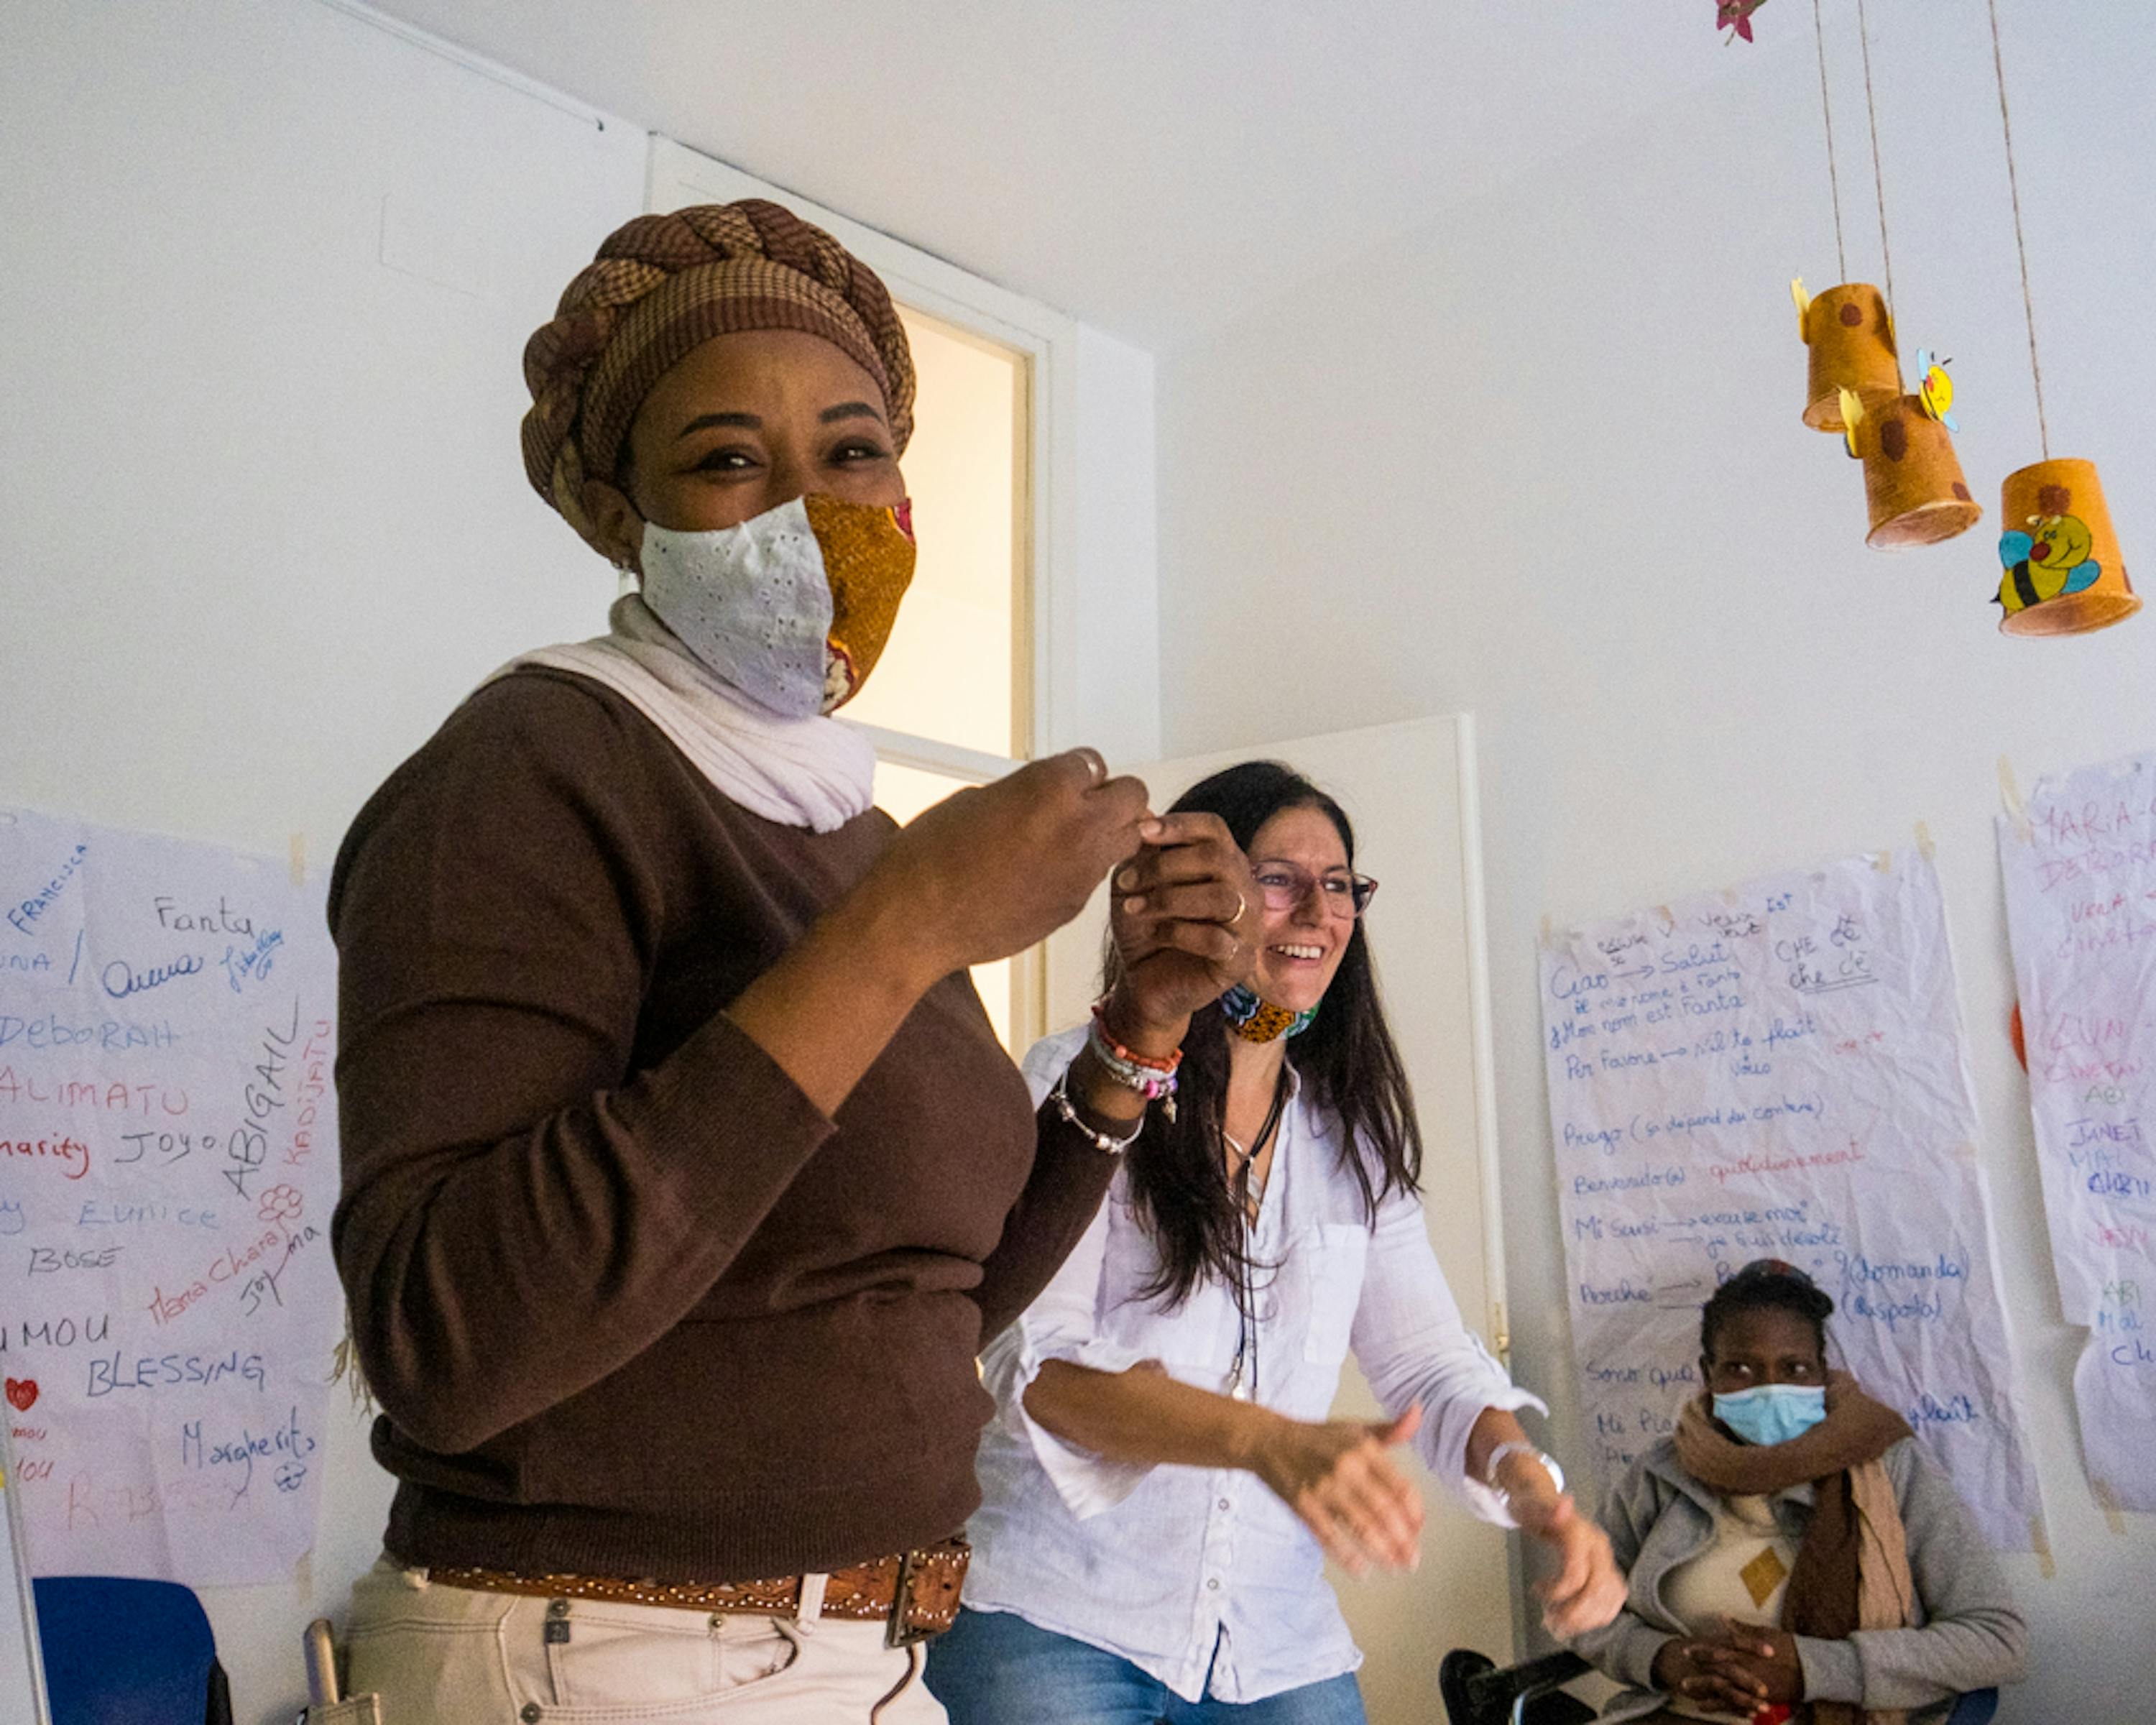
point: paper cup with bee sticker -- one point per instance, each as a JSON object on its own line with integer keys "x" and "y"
{"x": 2063, "y": 573}
{"x": 1852, "y": 339}
{"x": 1912, "y": 478}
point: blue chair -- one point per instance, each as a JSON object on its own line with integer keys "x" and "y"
{"x": 119, "y": 1652}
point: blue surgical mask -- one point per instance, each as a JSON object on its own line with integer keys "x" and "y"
{"x": 1770, "y": 1414}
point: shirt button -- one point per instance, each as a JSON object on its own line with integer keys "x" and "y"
{"x": 529, "y": 1712}
{"x": 1223, "y": 1503}
{"x": 1213, "y": 1586}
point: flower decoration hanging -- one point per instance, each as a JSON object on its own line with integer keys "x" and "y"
{"x": 1735, "y": 16}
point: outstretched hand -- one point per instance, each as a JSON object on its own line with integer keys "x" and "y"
{"x": 1588, "y": 1590}
{"x": 1336, "y": 1476}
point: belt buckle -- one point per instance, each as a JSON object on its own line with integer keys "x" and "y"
{"x": 911, "y": 1564}
{"x": 898, "y": 1632}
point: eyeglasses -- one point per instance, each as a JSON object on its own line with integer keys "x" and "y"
{"x": 1344, "y": 894}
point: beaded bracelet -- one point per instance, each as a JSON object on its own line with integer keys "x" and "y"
{"x": 1060, "y": 1095}
{"x": 1155, "y": 1081}
{"x": 1104, "y": 1043}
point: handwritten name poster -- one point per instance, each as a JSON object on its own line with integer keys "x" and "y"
{"x": 168, "y": 1165}
{"x": 2080, "y": 907}
{"x": 1778, "y": 1071}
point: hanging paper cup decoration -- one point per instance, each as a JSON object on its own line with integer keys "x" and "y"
{"x": 2063, "y": 574}
{"x": 1852, "y": 339}
{"x": 1913, "y": 479}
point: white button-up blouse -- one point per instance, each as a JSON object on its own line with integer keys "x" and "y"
{"x": 1165, "y": 1566}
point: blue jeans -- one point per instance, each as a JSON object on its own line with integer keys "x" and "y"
{"x": 994, "y": 1668}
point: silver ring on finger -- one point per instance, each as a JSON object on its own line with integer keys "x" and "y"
{"x": 1096, "y": 768}
{"x": 1242, "y": 905}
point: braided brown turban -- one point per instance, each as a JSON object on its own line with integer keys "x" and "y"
{"x": 662, "y": 286}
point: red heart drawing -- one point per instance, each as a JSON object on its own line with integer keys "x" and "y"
{"x": 21, "y": 1392}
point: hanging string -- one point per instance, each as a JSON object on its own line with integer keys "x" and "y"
{"x": 2013, "y": 188}
{"x": 1878, "y": 183}
{"x": 1833, "y": 178}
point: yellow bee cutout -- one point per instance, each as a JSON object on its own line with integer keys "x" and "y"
{"x": 1935, "y": 388}
{"x": 2050, "y": 559}
{"x": 1804, "y": 307}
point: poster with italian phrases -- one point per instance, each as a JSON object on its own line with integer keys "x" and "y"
{"x": 168, "y": 1162}
{"x": 1779, "y": 1071}
{"x": 2080, "y": 862}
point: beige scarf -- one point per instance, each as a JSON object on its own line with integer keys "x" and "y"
{"x": 814, "y": 772}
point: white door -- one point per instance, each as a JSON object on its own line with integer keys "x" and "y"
{"x": 1409, "y": 790}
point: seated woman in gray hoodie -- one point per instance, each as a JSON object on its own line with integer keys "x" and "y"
{"x": 1793, "y": 1552}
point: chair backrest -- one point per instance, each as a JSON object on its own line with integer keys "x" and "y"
{"x": 1476, "y": 1692}
{"x": 120, "y": 1651}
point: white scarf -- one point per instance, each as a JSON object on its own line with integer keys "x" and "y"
{"x": 814, "y": 772}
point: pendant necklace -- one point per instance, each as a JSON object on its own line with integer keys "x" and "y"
{"x": 1243, "y": 1373}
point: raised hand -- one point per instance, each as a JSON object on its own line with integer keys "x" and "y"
{"x": 981, "y": 875}
{"x": 1183, "y": 912}
{"x": 991, "y": 870}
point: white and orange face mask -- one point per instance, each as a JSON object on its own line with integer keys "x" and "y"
{"x": 792, "y": 608}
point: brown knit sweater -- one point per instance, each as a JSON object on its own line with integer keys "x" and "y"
{"x": 632, "y": 1305}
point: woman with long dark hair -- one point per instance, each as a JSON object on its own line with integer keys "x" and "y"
{"x": 1164, "y": 1482}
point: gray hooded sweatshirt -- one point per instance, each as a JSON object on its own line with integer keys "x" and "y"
{"x": 1967, "y": 1634}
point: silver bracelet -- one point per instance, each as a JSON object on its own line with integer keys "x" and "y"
{"x": 1517, "y": 1446}
{"x": 1060, "y": 1094}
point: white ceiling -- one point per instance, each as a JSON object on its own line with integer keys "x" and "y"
{"x": 1150, "y": 166}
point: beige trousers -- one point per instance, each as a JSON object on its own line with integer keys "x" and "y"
{"x": 449, "y": 1655}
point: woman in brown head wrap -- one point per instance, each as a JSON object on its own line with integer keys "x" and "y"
{"x": 683, "y": 1177}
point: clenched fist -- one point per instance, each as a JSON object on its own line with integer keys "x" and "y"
{"x": 989, "y": 871}
{"x": 1183, "y": 913}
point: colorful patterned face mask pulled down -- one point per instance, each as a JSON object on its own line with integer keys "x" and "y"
{"x": 1769, "y": 1413}
{"x": 1255, "y": 1019}
{"x": 793, "y": 607}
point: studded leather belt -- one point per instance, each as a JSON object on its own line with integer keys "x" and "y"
{"x": 916, "y": 1592}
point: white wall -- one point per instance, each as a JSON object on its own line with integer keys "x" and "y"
{"x": 1109, "y": 599}
{"x": 1541, "y": 461}
{"x": 264, "y": 519}
{"x": 263, "y": 522}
